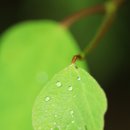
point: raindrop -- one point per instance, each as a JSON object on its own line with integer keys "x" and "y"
{"x": 58, "y": 84}
{"x": 72, "y": 121}
{"x": 55, "y": 115}
{"x": 70, "y": 88}
{"x": 47, "y": 99}
{"x": 78, "y": 78}
{"x": 72, "y": 112}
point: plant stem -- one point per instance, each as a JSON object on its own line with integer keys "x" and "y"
{"x": 99, "y": 35}
{"x": 83, "y": 13}
{"x": 110, "y": 8}
{"x": 75, "y": 58}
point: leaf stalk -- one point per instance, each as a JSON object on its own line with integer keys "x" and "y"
{"x": 109, "y": 8}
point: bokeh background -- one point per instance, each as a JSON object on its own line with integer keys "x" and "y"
{"x": 109, "y": 63}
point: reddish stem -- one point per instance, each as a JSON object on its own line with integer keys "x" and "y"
{"x": 75, "y": 58}
{"x": 83, "y": 13}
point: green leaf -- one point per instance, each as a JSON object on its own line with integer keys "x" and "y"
{"x": 31, "y": 53}
{"x": 33, "y": 47}
{"x": 72, "y": 100}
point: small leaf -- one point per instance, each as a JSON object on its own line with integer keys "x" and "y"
{"x": 72, "y": 100}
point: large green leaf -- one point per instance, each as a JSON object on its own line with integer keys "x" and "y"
{"x": 39, "y": 45}
{"x": 31, "y": 53}
{"x": 72, "y": 100}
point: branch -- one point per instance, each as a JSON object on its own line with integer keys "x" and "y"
{"x": 81, "y": 14}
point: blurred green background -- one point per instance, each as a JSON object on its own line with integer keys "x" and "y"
{"x": 108, "y": 63}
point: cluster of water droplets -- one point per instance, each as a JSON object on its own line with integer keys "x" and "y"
{"x": 59, "y": 84}
{"x": 47, "y": 98}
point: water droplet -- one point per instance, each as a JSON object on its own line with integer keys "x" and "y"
{"x": 72, "y": 121}
{"x": 70, "y": 88}
{"x": 47, "y": 99}
{"x": 72, "y": 112}
{"x": 55, "y": 115}
{"x": 58, "y": 84}
{"x": 78, "y": 78}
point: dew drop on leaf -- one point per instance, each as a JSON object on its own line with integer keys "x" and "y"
{"x": 58, "y": 84}
{"x": 72, "y": 112}
{"x": 72, "y": 121}
{"x": 78, "y": 78}
{"x": 55, "y": 115}
{"x": 70, "y": 88}
{"x": 47, "y": 99}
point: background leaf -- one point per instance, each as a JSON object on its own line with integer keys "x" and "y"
{"x": 72, "y": 100}
{"x": 31, "y": 53}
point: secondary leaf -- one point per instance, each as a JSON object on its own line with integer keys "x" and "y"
{"x": 32, "y": 47}
{"x": 30, "y": 54}
{"x": 72, "y": 100}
